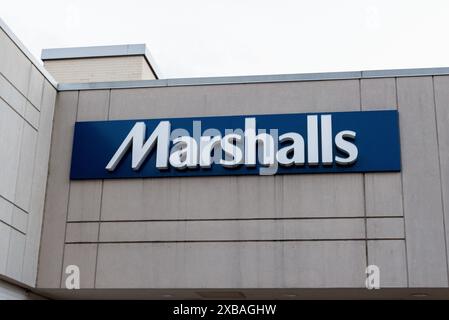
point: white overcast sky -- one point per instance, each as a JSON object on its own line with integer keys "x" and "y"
{"x": 195, "y": 38}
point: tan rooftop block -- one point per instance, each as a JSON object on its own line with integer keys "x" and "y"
{"x": 99, "y": 64}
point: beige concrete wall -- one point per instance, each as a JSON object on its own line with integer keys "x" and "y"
{"x": 27, "y": 102}
{"x": 317, "y": 231}
{"x": 100, "y": 69}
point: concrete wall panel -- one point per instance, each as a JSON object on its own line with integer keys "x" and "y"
{"x": 12, "y": 96}
{"x": 19, "y": 220}
{"x": 442, "y": 115}
{"x": 14, "y": 65}
{"x": 26, "y": 118}
{"x": 377, "y": 228}
{"x": 6, "y": 208}
{"x": 5, "y": 235}
{"x": 56, "y": 205}
{"x": 390, "y": 257}
{"x": 242, "y": 230}
{"x": 34, "y": 94}
{"x": 15, "y": 254}
{"x": 85, "y": 196}
{"x": 26, "y": 167}
{"x": 84, "y": 257}
{"x": 232, "y": 265}
{"x": 262, "y": 98}
{"x": 38, "y": 186}
{"x": 11, "y": 129}
{"x": 383, "y": 191}
{"x": 32, "y": 115}
{"x": 423, "y": 211}
{"x": 83, "y": 232}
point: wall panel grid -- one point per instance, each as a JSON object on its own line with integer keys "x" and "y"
{"x": 26, "y": 117}
{"x": 394, "y": 220}
{"x": 26, "y": 105}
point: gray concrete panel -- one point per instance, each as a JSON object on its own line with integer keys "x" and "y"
{"x": 5, "y": 235}
{"x": 34, "y": 94}
{"x": 11, "y": 128}
{"x": 38, "y": 188}
{"x": 14, "y": 65}
{"x": 32, "y": 115}
{"x": 19, "y": 220}
{"x": 52, "y": 242}
{"x": 82, "y": 232}
{"x": 235, "y": 99}
{"x": 85, "y": 200}
{"x": 383, "y": 191}
{"x": 423, "y": 212}
{"x": 228, "y": 230}
{"x": 15, "y": 255}
{"x": 442, "y": 115}
{"x": 12, "y": 96}
{"x": 390, "y": 257}
{"x": 85, "y": 196}
{"x": 84, "y": 257}
{"x": 6, "y": 211}
{"x": 385, "y": 228}
{"x": 322, "y": 264}
{"x": 323, "y": 195}
{"x": 26, "y": 167}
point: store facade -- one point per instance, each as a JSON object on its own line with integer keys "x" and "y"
{"x": 366, "y": 184}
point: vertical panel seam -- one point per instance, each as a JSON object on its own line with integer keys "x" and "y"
{"x": 67, "y": 207}
{"x": 364, "y": 190}
{"x": 18, "y": 168}
{"x": 33, "y": 177}
{"x": 101, "y": 204}
{"x": 440, "y": 176}
{"x": 44, "y": 205}
{"x": 98, "y": 236}
{"x": 27, "y": 210}
{"x": 402, "y": 192}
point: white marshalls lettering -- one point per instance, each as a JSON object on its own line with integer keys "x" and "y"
{"x": 248, "y": 147}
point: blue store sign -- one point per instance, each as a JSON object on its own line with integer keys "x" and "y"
{"x": 336, "y": 142}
